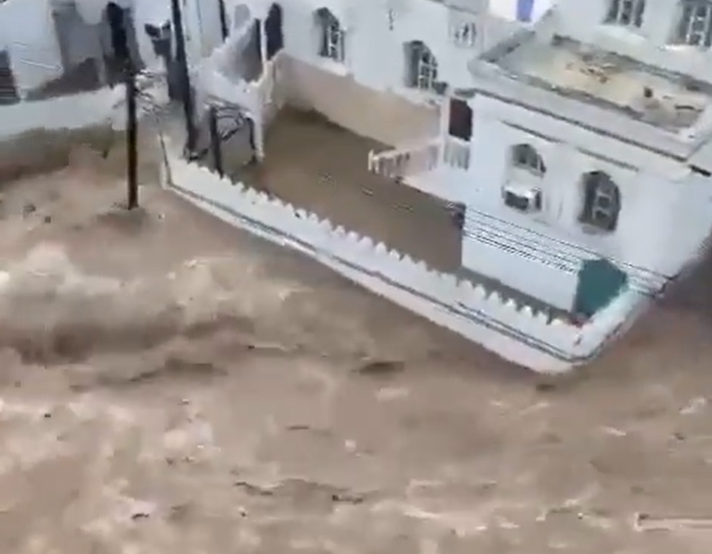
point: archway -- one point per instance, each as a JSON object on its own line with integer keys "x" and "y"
{"x": 273, "y": 30}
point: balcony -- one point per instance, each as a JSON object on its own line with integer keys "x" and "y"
{"x": 434, "y": 167}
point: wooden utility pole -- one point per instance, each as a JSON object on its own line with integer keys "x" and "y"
{"x": 184, "y": 87}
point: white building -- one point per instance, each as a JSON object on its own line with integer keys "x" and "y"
{"x": 589, "y": 154}
{"x": 579, "y": 151}
{"x": 42, "y": 41}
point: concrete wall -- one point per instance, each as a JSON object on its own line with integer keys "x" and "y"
{"x": 376, "y": 33}
{"x": 27, "y": 32}
{"x": 663, "y": 202}
{"x": 67, "y": 112}
{"x": 378, "y": 115}
{"x": 515, "y": 332}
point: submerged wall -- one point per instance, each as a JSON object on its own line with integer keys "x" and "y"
{"x": 66, "y": 112}
{"x": 515, "y": 332}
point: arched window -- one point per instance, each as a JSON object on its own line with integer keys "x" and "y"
{"x": 525, "y": 156}
{"x": 601, "y": 201}
{"x": 421, "y": 67}
{"x": 331, "y": 39}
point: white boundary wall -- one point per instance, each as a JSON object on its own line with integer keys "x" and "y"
{"x": 64, "y": 112}
{"x": 516, "y": 333}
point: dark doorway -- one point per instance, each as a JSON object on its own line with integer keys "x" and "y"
{"x": 460, "y": 125}
{"x": 273, "y": 29}
{"x": 8, "y": 87}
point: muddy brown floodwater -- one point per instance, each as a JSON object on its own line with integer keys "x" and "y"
{"x": 170, "y": 384}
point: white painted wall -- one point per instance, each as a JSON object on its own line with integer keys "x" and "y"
{"x": 666, "y": 209}
{"x": 27, "y": 31}
{"x": 375, "y": 54}
{"x": 66, "y": 112}
{"x": 515, "y": 333}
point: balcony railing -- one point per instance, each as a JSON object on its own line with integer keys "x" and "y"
{"x": 456, "y": 153}
{"x": 406, "y": 161}
{"x": 410, "y": 161}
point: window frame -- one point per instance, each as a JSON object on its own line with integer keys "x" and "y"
{"x": 599, "y": 189}
{"x": 332, "y": 36}
{"x": 525, "y": 157}
{"x": 695, "y": 13}
{"x": 628, "y": 14}
{"x": 423, "y": 67}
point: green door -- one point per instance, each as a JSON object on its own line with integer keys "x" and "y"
{"x": 599, "y": 282}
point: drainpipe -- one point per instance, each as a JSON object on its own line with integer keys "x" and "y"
{"x": 184, "y": 86}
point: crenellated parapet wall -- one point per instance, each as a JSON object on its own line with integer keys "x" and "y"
{"x": 517, "y": 332}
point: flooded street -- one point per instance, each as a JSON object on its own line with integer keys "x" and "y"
{"x": 170, "y": 384}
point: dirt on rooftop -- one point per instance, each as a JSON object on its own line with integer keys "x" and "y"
{"x": 170, "y": 384}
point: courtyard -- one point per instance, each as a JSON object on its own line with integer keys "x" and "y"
{"x": 316, "y": 165}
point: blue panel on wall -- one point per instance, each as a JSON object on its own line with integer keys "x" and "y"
{"x": 524, "y": 10}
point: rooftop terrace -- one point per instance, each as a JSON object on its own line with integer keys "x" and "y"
{"x": 666, "y": 100}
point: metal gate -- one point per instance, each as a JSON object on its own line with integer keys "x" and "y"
{"x": 599, "y": 282}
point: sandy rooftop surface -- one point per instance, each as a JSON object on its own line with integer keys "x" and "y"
{"x": 169, "y": 384}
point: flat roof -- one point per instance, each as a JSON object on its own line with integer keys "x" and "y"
{"x": 669, "y": 101}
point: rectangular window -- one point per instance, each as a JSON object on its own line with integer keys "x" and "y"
{"x": 333, "y": 42}
{"x": 626, "y": 13}
{"x": 695, "y": 25}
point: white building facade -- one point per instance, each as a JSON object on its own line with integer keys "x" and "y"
{"x": 573, "y": 154}
{"x": 579, "y": 155}
{"x": 593, "y": 148}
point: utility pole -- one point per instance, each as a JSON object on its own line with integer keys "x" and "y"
{"x": 119, "y": 41}
{"x": 186, "y": 92}
{"x": 223, "y": 19}
{"x": 215, "y": 140}
{"x": 131, "y": 135}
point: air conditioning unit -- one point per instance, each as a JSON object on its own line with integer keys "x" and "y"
{"x": 522, "y": 198}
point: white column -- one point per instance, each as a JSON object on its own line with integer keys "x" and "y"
{"x": 263, "y": 41}
{"x": 444, "y": 125}
{"x": 259, "y": 137}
